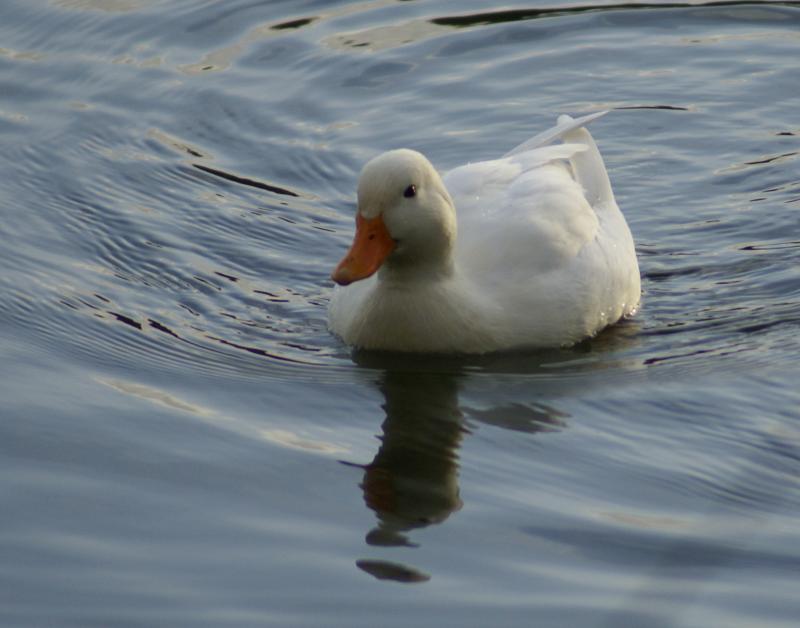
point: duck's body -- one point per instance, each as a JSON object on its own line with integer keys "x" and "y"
{"x": 541, "y": 255}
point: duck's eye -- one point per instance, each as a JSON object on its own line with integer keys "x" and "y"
{"x": 410, "y": 191}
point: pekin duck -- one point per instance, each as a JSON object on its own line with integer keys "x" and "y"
{"x": 526, "y": 251}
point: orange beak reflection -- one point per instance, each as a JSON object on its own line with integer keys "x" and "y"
{"x": 371, "y": 246}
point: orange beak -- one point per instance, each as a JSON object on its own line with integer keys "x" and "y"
{"x": 371, "y": 246}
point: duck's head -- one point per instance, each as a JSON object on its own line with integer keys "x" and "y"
{"x": 405, "y": 218}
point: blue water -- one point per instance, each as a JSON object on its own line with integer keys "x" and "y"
{"x": 183, "y": 443}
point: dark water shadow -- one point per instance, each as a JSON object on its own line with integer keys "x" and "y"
{"x": 501, "y": 16}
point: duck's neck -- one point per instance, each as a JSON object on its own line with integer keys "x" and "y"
{"x": 431, "y": 262}
{"x": 399, "y": 273}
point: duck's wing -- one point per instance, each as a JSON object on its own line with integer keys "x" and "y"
{"x": 541, "y": 239}
{"x": 484, "y": 186}
{"x": 537, "y": 206}
{"x": 521, "y": 214}
{"x": 578, "y": 148}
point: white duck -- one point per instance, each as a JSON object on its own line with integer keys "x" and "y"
{"x": 540, "y": 255}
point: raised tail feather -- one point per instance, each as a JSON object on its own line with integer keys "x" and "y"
{"x": 588, "y": 166}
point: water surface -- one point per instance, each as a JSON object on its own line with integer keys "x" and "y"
{"x": 182, "y": 441}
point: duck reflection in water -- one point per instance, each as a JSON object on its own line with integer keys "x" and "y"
{"x": 413, "y": 480}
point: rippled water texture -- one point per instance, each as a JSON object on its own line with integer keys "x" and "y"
{"x": 183, "y": 443}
